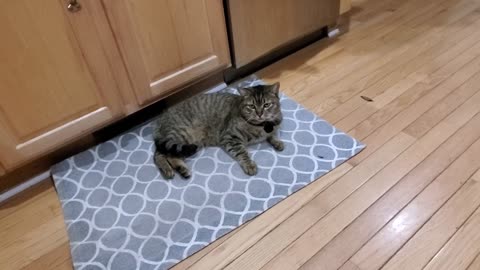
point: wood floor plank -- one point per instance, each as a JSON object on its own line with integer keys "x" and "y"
{"x": 419, "y": 250}
{"x": 475, "y": 265}
{"x": 303, "y": 248}
{"x": 28, "y": 218}
{"x": 376, "y": 252}
{"x": 414, "y": 70}
{"x": 384, "y": 76}
{"x": 34, "y": 244}
{"x": 291, "y": 228}
{"x": 57, "y": 259}
{"x": 443, "y": 108}
{"x": 31, "y": 225}
{"x": 372, "y": 17}
{"x": 476, "y": 176}
{"x": 409, "y": 115}
{"x": 376, "y": 7}
{"x": 350, "y": 240}
{"x": 349, "y": 266}
{"x": 414, "y": 94}
{"x": 462, "y": 249}
{"x": 400, "y": 13}
{"x": 243, "y": 239}
{"x": 431, "y": 74}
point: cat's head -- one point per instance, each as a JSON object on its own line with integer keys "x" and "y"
{"x": 261, "y": 104}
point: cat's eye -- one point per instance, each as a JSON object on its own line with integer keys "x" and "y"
{"x": 267, "y": 105}
{"x": 251, "y": 107}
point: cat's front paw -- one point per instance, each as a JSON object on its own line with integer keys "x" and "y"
{"x": 278, "y": 145}
{"x": 250, "y": 168}
{"x": 168, "y": 173}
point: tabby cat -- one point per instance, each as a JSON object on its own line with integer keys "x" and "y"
{"x": 219, "y": 119}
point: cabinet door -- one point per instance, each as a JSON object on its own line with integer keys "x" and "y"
{"x": 55, "y": 81}
{"x": 345, "y": 6}
{"x": 168, "y": 43}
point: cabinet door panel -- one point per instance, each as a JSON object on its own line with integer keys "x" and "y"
{"x": 167, "y": 43}
{"x": 52, "y": 87}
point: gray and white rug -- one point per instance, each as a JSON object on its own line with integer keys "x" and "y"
{"x": 120, "y": 213}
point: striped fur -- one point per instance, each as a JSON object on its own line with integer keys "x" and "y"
{"x": 219, "y": 119}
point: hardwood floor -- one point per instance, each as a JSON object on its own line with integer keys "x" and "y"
{"x": 410, "y": 200}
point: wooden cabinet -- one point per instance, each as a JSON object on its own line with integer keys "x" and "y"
{"x": 56, "y": 82}
{"x": 2, "y": 170}
{"x": 345, "y": 6}
{"x": 168, "y": 43}
{"x": 66, "y": 73}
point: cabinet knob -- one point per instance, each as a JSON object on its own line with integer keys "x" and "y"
{"x": 73, "y": 6}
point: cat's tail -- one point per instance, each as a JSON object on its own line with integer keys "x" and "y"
{"x": 163, "y": 164}
{"x": 166, "y": 151}
{"x": 178, "y": 149}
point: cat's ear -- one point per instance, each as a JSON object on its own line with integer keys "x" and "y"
{"x": 244, "y": 91}
{"x": 275, "y": 88}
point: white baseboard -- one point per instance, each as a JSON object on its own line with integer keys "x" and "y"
{"x": 333, "y": 33}
{"x": 29, "y": 183}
